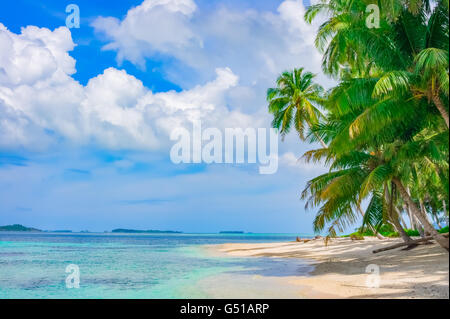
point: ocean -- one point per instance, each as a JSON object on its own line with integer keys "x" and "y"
{"x": 34, "y": 265}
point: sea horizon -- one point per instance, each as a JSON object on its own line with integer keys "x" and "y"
{"x": 156, "y": 233}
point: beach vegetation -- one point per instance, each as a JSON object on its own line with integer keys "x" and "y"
{"x": 383, "y": 128}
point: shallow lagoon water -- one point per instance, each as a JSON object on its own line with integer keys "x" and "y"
{"x": 32, "y": 265}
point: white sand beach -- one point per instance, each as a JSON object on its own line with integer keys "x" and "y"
{"x": 340, "y": 270}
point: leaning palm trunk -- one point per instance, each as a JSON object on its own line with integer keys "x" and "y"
{"x": 400, "y": 229}
{"x": 394, "y": 218}
{"x": 441, "y": 240}
{"x": 415, "y": 224}
{"x": 424, "y": 213}
{"x": 436, "y": 219}
{"x": 419, "y": 228}
{"x": 440, "y": 106}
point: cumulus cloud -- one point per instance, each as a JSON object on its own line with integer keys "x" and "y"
{"x": 236, "y": 53}
{"x": 44, "y": 105}
{"x": 256, "y": 45}
{"x": 155, "y": 25}
{"x": 35, "y": 85}
{"x": 34, "y": 55}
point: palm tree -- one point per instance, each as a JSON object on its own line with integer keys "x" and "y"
{"x": 295, "y": 102}
{"x": 295, "y": 92}
{"x": 383, "y": 135}
{"x": 409, "y": 52}
{"x": 425, "y": 45}
{"x": 375, "y": 142}
{"x": 366, "y": 155}
{"x": 357, "y": 175}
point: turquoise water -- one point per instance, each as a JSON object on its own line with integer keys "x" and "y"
{"x": 125, "y": 265}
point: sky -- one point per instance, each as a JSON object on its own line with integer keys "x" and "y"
{"x": 86, "y": 113}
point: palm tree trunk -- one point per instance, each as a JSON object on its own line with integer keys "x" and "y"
{"x": 441, "y": 240}
{"x": 395, "y": 220}
{"x": 415, "y": 224}
{"x": 425, "y": 213}
{"x": 435, "y": 216}
{"x": 419, "y": 226}
{"x": 440, "y": 106}
{"x": 400, "y": 229}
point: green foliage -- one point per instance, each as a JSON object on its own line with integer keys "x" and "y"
{"x": 444, "y": 230}
{"x": 412, "y": 232}
{"x": 384, "y": 126}
{"x": 294, "y": 102}
{"x": 389, "y": 233}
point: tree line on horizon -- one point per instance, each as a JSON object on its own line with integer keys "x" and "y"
{"x": 384, "y": 127}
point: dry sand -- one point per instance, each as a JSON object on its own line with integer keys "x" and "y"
{"x": 340, "y": 270}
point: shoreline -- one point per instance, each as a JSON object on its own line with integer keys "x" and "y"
{"x": 339, "y": 269}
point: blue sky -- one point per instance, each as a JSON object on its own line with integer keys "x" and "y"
{"x": 86, "y": 113}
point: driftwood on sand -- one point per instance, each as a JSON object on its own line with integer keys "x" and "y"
{"x": 299, "y": 240}
{"x": 414, "y": 242}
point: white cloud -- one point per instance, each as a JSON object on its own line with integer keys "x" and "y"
{"x": 155, "y": 25}
{"x": 237, "y": 54}
{"x": 290, "y": 160}
{"x": 34, "y": 55}
{"x": 36, "y": 89}
{"x": 114, "y": 110}
{"x": 256, "y": 45}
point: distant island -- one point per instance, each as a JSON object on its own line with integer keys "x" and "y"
{"x": 232, "y": 232}
{"x": 134, "y": 231}
{"x": 21, "y": 228}
{"x": 17, "y": 227}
